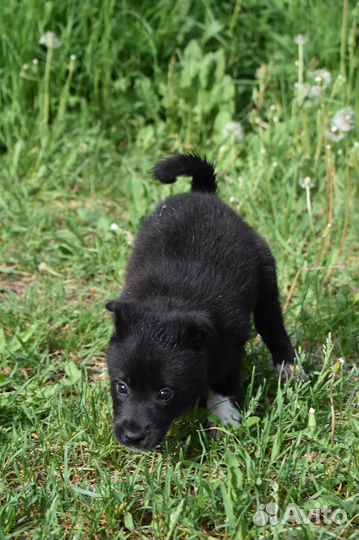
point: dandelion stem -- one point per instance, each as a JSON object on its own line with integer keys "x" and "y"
{"x": 330, "y": 184}
{"x": 330, "y": 206}
{"x": 46, "y": 111}
{"x": 292, "y": 289}
{"x": 306, "y": 131}
{"x": 301, "y": 64}
{"x": 309, "y": 207}
{"x": 344, "y": 37}
{"x": 332, "y": 408}
{"x": 300, "y": 70}
{"x": 65, "y": 91}
{"x": 352, "y": 45}
{"x": 347, "y": 212}
{"x": 232, "y": 28}
{"x": 318, "y": 150}
{"x": 235, "y": 15}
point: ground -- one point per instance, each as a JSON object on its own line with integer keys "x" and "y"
{"x": 84, "y": 115}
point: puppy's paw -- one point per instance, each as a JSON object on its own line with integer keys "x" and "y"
{"x": 213, "y": 432}
{"x": 226, "y": 411}
{"x": 291, "y": 371}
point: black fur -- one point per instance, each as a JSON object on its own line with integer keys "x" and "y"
{"x": 197, "y": 274}
{"x": 202, "y": 172}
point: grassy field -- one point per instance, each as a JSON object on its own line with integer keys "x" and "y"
{"x": 83, "y": 117}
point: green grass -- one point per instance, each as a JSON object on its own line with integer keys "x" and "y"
{"x": 78, "y": 139}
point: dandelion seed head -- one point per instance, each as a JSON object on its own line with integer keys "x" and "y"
{"x": 344, "y": 120}
{"x": 306, "y": 183}
{"x": 308, "y": 92}
{"x": 50, "y": 40}
{"x": 73, "y": 57}
{"x": 233, "y": 129}
{"x": 330, "y": 225}
{"x": 321, "y": 76}
{"x": 25, "y": 67}
{"x": 114, "y": 227}
{"x": 334, "y": 136}
{"x": 300, "y": 39}
{"x": 35, "y": 61}
{"x": 341, "y": 360}
{"x": 314, "y": 93}
{"x": 312, "y": 410}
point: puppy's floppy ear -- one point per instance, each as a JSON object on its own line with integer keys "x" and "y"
{"x": 125, "y": 313}
{"x": 194, "y": 330}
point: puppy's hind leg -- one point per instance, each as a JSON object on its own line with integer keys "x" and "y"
{"x": 269, "y": 319}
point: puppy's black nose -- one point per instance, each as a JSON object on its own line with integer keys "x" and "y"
{"x": 133, "y": 436}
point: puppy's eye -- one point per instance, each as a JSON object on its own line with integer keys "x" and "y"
{"x": 165, "y": 394}
{"x": 122, "y": 388}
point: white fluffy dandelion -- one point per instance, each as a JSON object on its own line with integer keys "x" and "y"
{"x": 300, "y": 39}
{"x": 344, "y": 120}
{"x": 334, "y": 134}
{"x": 321, "y": 77}
{"x": 314, "y": 93}
{"x": 308, "y": 92}
{"x": 233, "y": 129}
{"x": 50, "y": 40}
{"x": 306, "y": 183}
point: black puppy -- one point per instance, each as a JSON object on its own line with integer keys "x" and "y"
{"x": 196, "y": 275}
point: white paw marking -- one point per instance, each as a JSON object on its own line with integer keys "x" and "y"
{"x": 222, "y": 407}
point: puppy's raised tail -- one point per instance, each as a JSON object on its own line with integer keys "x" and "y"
{"x": 201, "y": 171}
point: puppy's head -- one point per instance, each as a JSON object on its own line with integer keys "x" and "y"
{"x": 158, "y": 365}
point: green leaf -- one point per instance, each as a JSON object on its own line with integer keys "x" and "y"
{"x": 129, "y": 521}
{"x": 228, "y": 506}
{"x": 174, "y": 517}
{"x": 251, "y": 421}
{"x": 2, "y": 340}
{"x": 72, "y": 371}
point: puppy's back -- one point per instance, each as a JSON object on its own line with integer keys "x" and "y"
{"x": 195, "y": 250}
